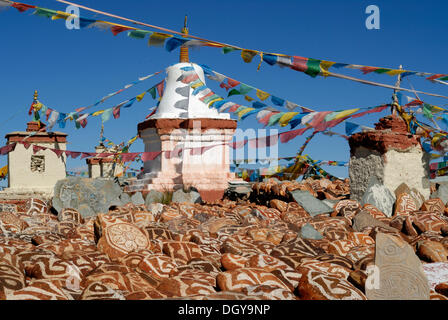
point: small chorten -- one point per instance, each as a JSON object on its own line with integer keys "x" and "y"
{"x": 391, "y": 154}
{"x": 29, "y": 173}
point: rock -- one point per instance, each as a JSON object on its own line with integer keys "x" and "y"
{"x": 186, "y": 197}
{"x": 232, "y": 261}
{"x": 311, "y": 205}
{"x": 137, "y": 199}
{"x": 125, "y": 198}
{"x": 379, "y": 196}
{"x": 266, "y": 262}
{"x": 269, "y": 293}
{"x": 402, "y": 188}
{"x": 118, "y": 238}
{"x": 181, "y": 250}
{"x": 183, "y": 287}
{"x": 39, "y": 290}
{"x": 281, "y": 206}
{"x": 433, "y": 205}
{"x": 363, "y": 219}
{"x": 315, "y": 285}
{"x": 308, "y": 232}
{"x": 436, "y": 272}
{"x": 432, "y": 251}
{"x": 399, "y": 274}
{"x": 12, "y": 279}
{"x": 404, "y": 205}
{"x": 442, "y": 288}
{"x": 237, "y": 280}
{"x": 441, "y": 193}
{"x": 153, "y": 196}
{"x": 88, "y": 196}
{"x": 99, "y": 291}
{"x": 158, "y": 266}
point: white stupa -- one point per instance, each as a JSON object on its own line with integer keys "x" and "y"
{"x": 193, "y": 139}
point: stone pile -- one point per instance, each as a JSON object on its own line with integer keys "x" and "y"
{"x": 228, "y": 250}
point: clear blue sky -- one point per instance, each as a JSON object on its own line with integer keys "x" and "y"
{"x": 74, "y": 68}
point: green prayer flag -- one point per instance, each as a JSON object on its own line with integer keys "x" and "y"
{"x": 152, "y": 91}
{"x": 233, "y": 92}
{"x": 244, "y": 88}
{"x": 46, "y": 13}
{"x": 227, "y": 50}
{"x": 427, "y": 111}
{"x": 313, "y": 67}
{"x": 381, "y": 70}
{"x": 138, "y": 34}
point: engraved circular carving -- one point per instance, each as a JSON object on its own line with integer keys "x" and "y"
{"x": 393, "y": 253}
{"x": 126, "y": 237}
{"x": 399, "y": 283}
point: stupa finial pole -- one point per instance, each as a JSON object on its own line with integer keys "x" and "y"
{"x": 184, "y": 49}
{"x": 395, "y": 96}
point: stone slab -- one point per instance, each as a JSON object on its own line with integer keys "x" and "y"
{"x": 399, "y": 273}
{"x": 380, "y": 196}
{"x": 311, "y": 205}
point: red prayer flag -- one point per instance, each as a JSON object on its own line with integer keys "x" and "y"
{"x": 289, "y": 135}
{"x": 238, "y": 144}
{"x": 436, "y": 76}
{"x": 377, "y": 109}
{"x": 366, "y": 69}
{"x": 160, "y": 88}
{"x": 232, "y": 83}
{"x": 22, "y": 7}
{"x": 263, "y": 142}
{"x": 118, "y": 29}
{"x": 329, "y": 124}
{"x": 146, "y": 156}
{"x": 58, "y": 152}
{"x": 299, "y": 63}
{"x": 87, "y": 154}
{"x": 233, "y": 108}
{"x": 48, "y": 112}
{"x": 116, "y": 112}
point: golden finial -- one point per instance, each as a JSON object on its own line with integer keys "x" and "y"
{"x": 183, "y": 49}
{"x": 35, "y": 95}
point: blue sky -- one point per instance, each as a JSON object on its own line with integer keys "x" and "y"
{"x": 74, "y": 68}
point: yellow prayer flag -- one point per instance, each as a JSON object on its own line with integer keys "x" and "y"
{"x": 248, "y": 55}
{"x": 132, "y": 140}
{"x": 214, "y": 100}
{"x": 395, "y": 72}
{"x": 197, "y": 85}
{"x": 244, "y": 111}
{"x": 345, "y": 113}
{"x": 157, "y": 39}
{"x": 4, "y": 171}
{"x": 262, "y": 95}
{"x": 324, "y": 66}
{"x": 248, "y": 98}
{"x": 140, "y": 96}
{"x": 61, "y": 15}
{"x": 284, "y": 119}
{"x": 97, "y": 113}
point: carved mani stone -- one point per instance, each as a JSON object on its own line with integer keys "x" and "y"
{"x": 399, "y": 274}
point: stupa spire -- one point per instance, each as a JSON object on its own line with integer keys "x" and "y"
{"x": 184, "y": 49}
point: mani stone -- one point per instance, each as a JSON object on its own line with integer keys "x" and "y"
{"x": 188, "y": 197}
{"x": 441, "y": 193}
{"x": 399, "y": 274}
{"x": 364, "y": 219}
{"x": 88, "y": 196}
{"x": 137, "y": 199}
{"x": 125, "y": 198}
{"x": 379, "y": 196}
{"x": 153, "y": 196}
{"x": 308, "y": 232}
{"x": 311, "y": 205}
